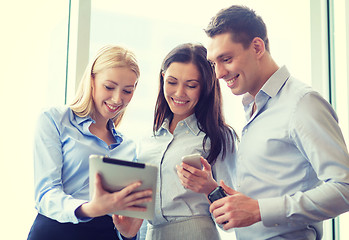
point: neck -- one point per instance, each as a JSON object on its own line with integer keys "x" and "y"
{"x": 270, "y": 67}
{"x": 267, "y": 68}
{"x": 100, "y": 123}
{"x": 175, "y": 120}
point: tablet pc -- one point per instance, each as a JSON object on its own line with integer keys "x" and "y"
{"x": 117, "y": 174}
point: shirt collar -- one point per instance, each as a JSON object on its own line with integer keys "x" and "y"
{"x": 271, "y": 87}
{"x": 117, "y": 135}
{"x": 80, "y": 120}
{"x": 190, "y": 122}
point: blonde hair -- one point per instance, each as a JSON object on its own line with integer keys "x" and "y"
{"x": 110, "y": 56}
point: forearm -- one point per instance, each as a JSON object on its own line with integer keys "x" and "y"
{"x": 59, "y": 206}
{"x": 318, "y": 204}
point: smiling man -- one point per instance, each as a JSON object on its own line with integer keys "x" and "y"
{"x": 292, "y": 169}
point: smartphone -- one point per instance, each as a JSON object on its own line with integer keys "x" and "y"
{"x": 216, "y": 194}
{"x": 193, "y": 160}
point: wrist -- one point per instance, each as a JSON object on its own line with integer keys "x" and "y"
{"x": 211, "y": 188}
{"x": 85, "y": 211}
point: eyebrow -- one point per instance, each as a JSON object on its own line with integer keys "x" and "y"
{"x": 223, "y": 55}
{"x": 189, "y": 80}
{"x": 220, "y": 56}
{"x": 118, "y": 84}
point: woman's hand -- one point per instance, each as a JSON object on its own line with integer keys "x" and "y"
{"x": 127, "y": 226}
{"x": 104, "y": 202}
{"x": 197, "y": 180}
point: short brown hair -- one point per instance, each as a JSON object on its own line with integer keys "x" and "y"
{"x": 243, "y": 24}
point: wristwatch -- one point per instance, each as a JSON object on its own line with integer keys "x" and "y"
{"x": 216, "y": 194}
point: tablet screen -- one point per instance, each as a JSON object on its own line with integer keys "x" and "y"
{"x": 117, "y": 174}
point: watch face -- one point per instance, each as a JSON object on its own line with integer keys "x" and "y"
{"x": 216, "y": 194}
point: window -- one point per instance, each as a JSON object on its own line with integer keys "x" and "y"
{"x": 340, "y": 88}
{"x": 33, "y": 48}
{"x": 153, "y": 28}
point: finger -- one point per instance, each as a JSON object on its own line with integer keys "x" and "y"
{"x": 136, "y": 208}
{"x": 130, "y": 188}
{"x": 227, "y": 189}
{"x": 190, "y": 169}
{"x": 180, "y": 171}
{"x": 138, "y": 198}
{"x": 228, "y": 225}
{"x": 141, "y": 194}
{"x": 136, "y": 205}
{"x": 116, "y": 219}
{"x": 222, "y": 219}
{"x": 205, "y": 163}
{"x": 98, "y": 183}
{"x": 216, "y": 207}
{"x": 193, "y": 173}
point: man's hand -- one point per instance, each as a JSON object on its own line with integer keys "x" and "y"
{"x": 236, "y": 209}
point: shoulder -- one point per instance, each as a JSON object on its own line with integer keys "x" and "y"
{"x": 296, "y": 95}
{"x": 296, "y": 88}
{"x": 312, "y": 104}
{"x": 56, "y": 112}
{"x": 305, "y": 97}
{"x": 56, "y": 116}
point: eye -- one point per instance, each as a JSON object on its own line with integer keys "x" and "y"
{"x": 192, "y": 86}
{"x": 108, "y": 87}
{"x": 171, "y": 82}
{"x": 227, "y": 59}
{"x": 128, "y": 91}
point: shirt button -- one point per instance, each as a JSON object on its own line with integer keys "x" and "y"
{"x": 186, "y": 132}
{"x": 164, "y": 134}
{"x": 181, "y": 124}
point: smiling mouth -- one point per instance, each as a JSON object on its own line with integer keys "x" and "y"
{"x": 231, "y": 81}
{"x": 179, "y": 101}
{"x": 112, "y": 107}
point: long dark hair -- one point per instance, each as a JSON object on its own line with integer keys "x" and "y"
{"x": 208, "y": 110}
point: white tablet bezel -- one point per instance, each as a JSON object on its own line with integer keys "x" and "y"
{"x": 116, "y": 174}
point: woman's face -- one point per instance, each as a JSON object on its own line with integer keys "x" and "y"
{"x": 182, "y": 87}
{"x": 113, "y": 89}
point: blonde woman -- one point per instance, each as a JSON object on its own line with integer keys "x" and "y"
{"x": 64, "y": 139}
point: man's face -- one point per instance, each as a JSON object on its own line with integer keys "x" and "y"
{"x": 237, "y": 66}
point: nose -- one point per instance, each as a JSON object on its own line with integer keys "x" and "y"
{"x": 116, "y": 98}
{"x": 221, "y": 72}
{"x": 180, "y": 91}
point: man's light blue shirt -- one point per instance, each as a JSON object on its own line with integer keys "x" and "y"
{"x": 63, "y": 144}
{"x": 292, "y": 158}
{"x": 165, "y": 150}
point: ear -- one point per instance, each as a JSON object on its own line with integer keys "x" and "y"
{"x": 92, "y": 80}
{"x": 258, "y": 47}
